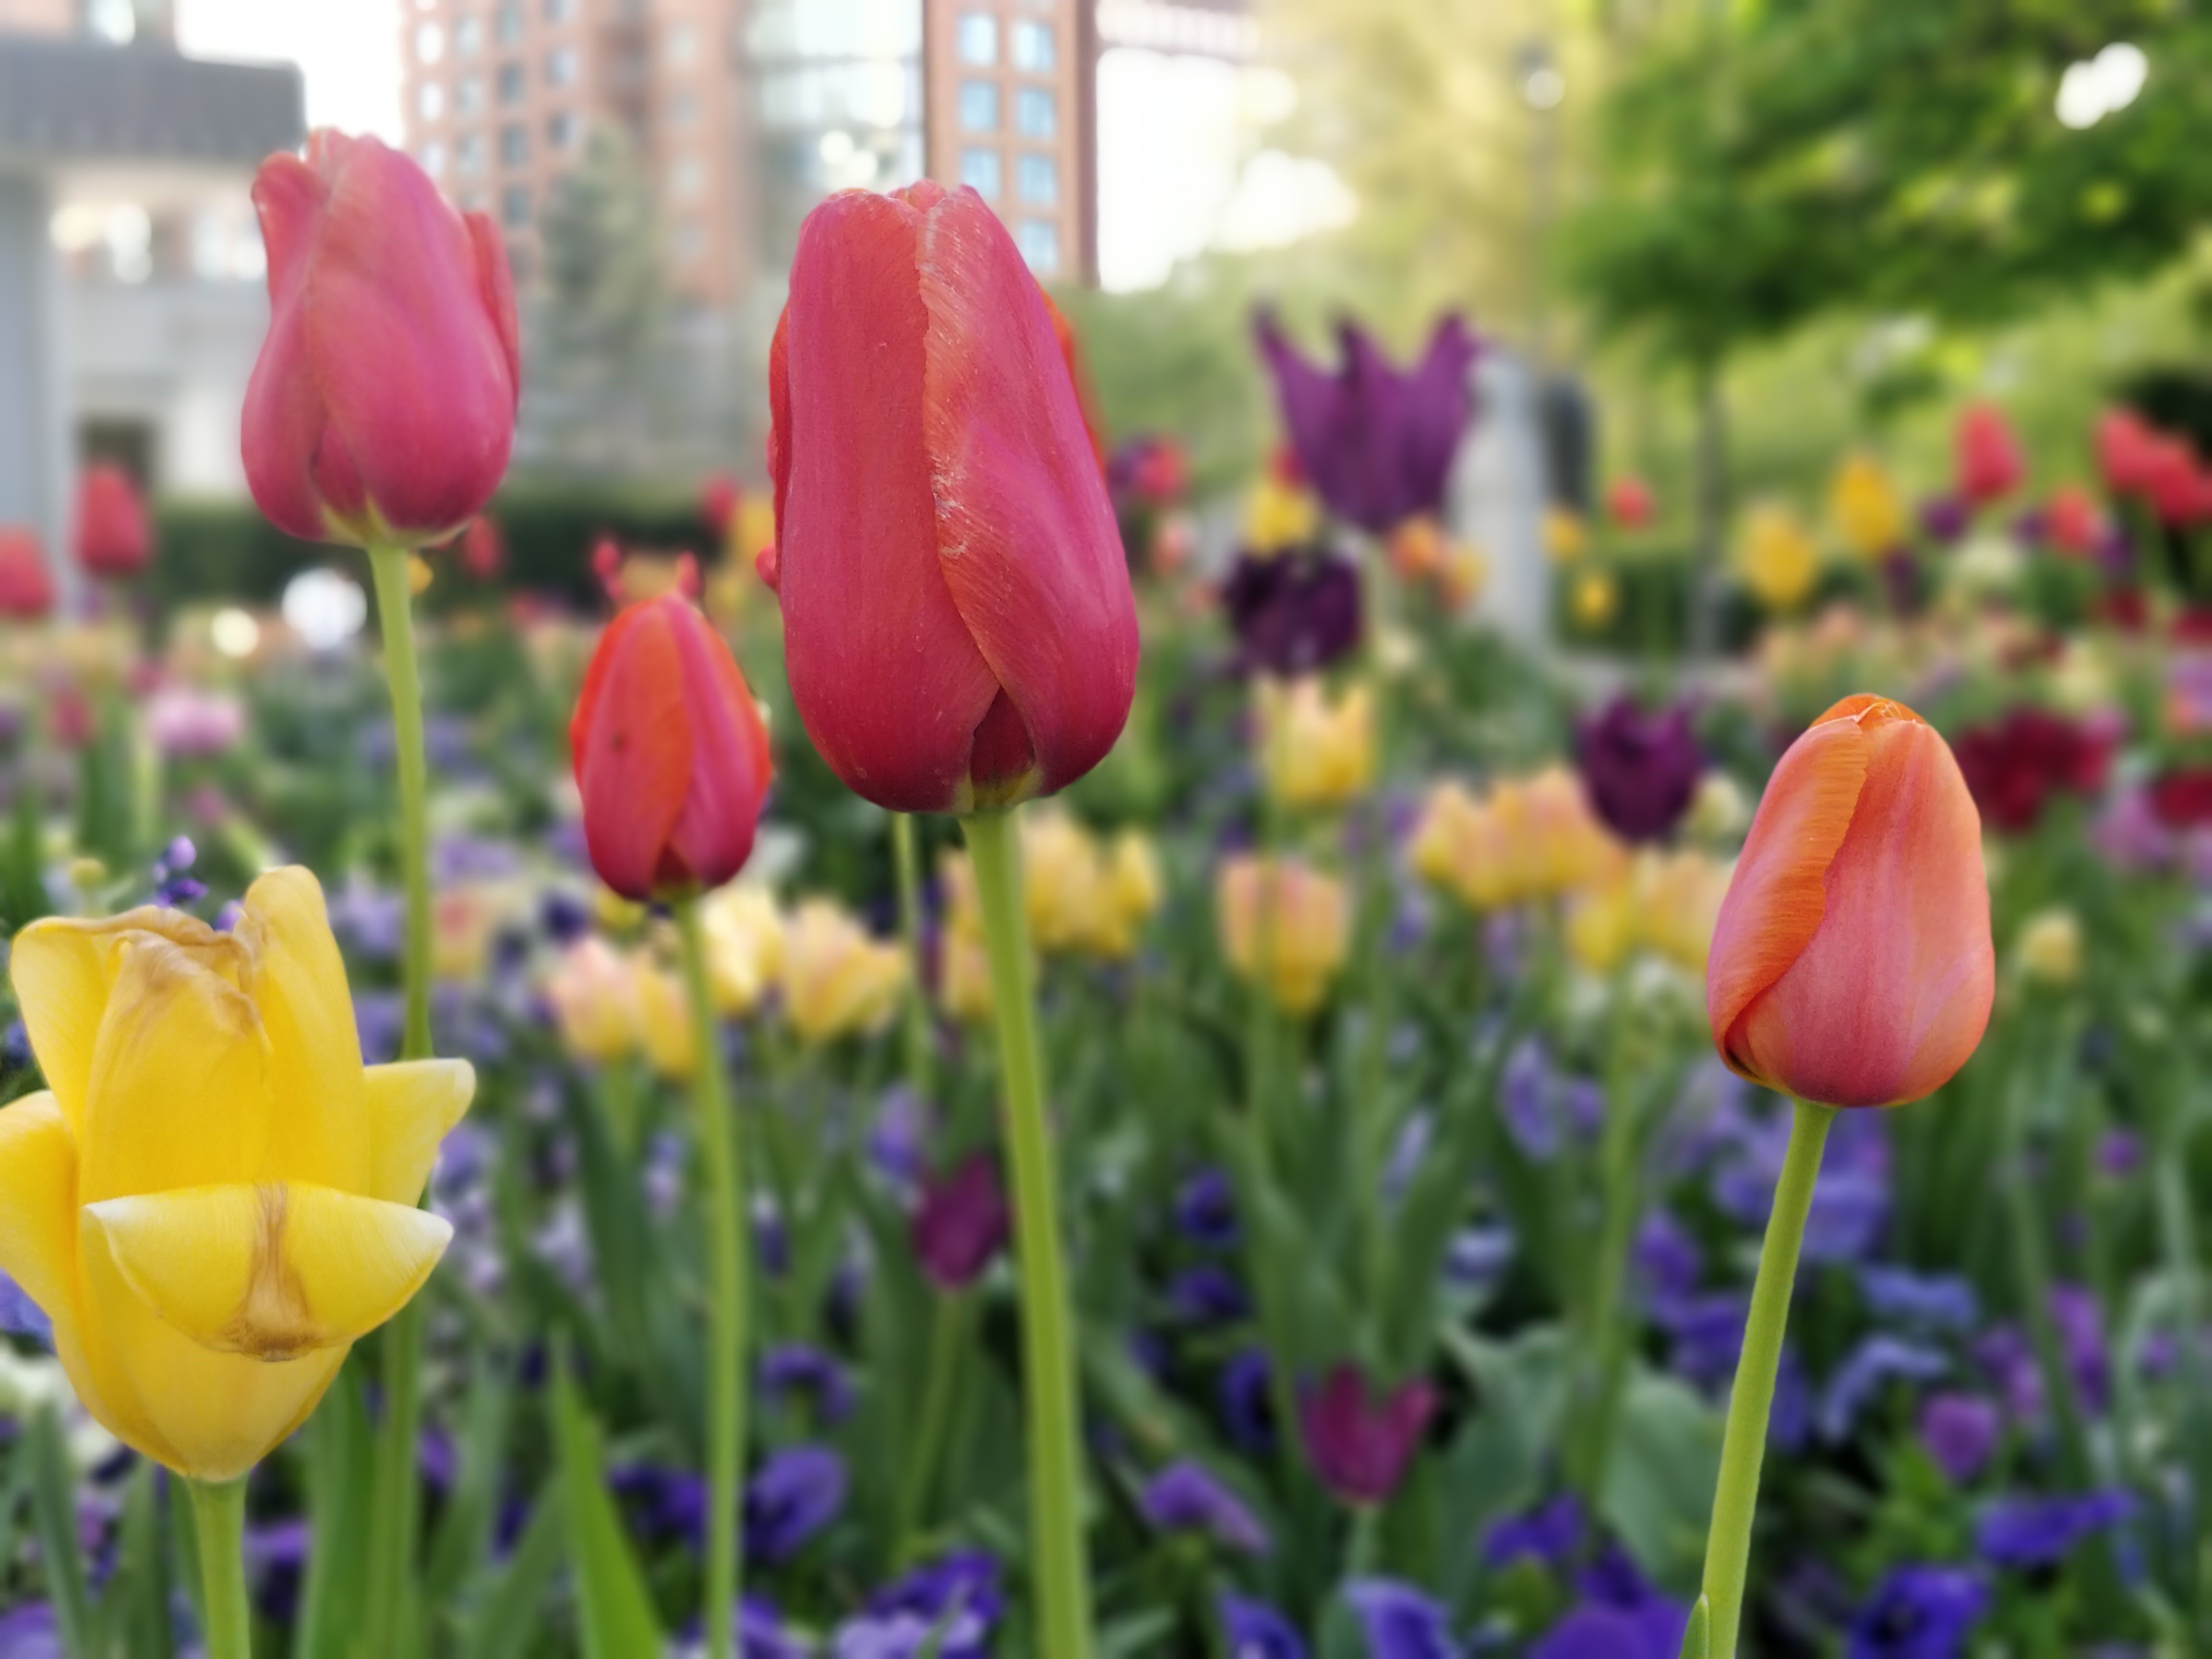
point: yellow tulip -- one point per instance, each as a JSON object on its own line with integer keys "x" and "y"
{"x": 1870, "y": 514}
{"x": 1567, "y": 537}
{"x": 1062, "y": 881}
{"x": 615, "y": 913}
{"x": 1278, "y": 516}
{"x": 1130, "y": 897}
{"x": 594, "y": 995}
{"x": 2050, "y": 948}
{"x": 1528, "y": 839}
{"x": 963, "y": 975}
{"x": 1313, "y": 752}
{"x": 1597, "y": 598}
{"x": 1601, "y": 924}
{"x": 1679, "y": 903}
{"x": 463, "y": 921}
{"x": 216, "y": 1199}
{"x": 420, "y": 575}
{"x": 664, "y": 1019}
{"x": 1466, "y": 569}
{"x": 1291, "y": 914}
{"x": 1778, "y": 559}
{"x": 1564, "y": 846}
{"x": 745, "y": 934}
{"x": 837, "y": 980}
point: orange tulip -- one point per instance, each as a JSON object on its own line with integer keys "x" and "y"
{"x": 1851, "y": 964}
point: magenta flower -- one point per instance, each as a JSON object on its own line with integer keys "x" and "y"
{"x": 1640, "y": 770}
{"x": 961, "y": 1223}
{"x": 1359, "y": 1444}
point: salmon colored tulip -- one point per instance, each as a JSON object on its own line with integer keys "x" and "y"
{"x": 382, "y": 407}
{"x": 958, "y": 626}
{"x": 113, "y": 538}
{"x": 1285, "y": 926}
{"x": 1851, "y": 964}
{"x": 671, "y": 753}
{"x": 27, "y": 590}
{"x": 216, "y": 1199}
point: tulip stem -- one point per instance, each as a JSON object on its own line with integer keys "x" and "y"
{"x": 725, "y": 1371}
{"x": 906, "y": 864}
{"x": 219, "y": 1530}
{"x": 1743, "y": 1446}
{"x": 393, "y": 1507}
{"x": 1058, "y": 1566}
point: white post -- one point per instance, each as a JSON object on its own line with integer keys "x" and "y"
{"x": 35, "y": 422}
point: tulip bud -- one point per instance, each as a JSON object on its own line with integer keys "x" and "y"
{"x": 27, "y": 590}
{"x": 1360, "y": 1443}
{"x": 382, "y": 407}
{"x": 1313, "y": 752}
{"x": 1989, "y": 458}
{"x": 837, "y": 980}
{"x": 664, "y": 1019}
{"x": 594, "y": 995}
{"x": 1851, "y": 964}
{"x": 113, "y": 538}
{"x": 1285, "y": 926}
{"x": 671, "y": 754}
{"x": 961, "y": 1223}
{"x": 745, "y": 932}
{"x": 958, "y": 625}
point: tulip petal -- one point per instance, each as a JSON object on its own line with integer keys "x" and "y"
{"x": 1026, "y": 536}
{"x": 633, "y": 743}
{"x": 181, "y": 1076}
{"x": 317, "y": 1130}
{"x": 882, "y": 666}
{"x": 713, "y": 836}
{"x": 409, "y": 1108}
{"x": 1892, "y": 993}
{"x": 1780, "y": 893}
{"x": 272, "y": 1271}
{"x": 38, "y": 1205}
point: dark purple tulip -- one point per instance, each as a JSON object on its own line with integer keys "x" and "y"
{"x": 961, "y": 1223}
{"x": 1945, "y": 517}
{"x": 1359, "y": 1446}
{"x": 1292, "y": 613}
{"x": 1376, "y": 442}
{"x": 797, "y": 1492}
{"x": 1958, "y": 1432}
{"x": 1252, "y": 1630}
{"x": 1919, "y": 1613}
{"x": 1399, "y": 1622}
{"x": 1184, "y": 1497}
{"x": 1640, "y": 770}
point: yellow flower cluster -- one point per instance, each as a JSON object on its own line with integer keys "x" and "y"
{"x": 1314, "y": 752}
{"x": 1664, "y": 902}
{"x": 1285, "y": 926}
{"x": 1528, "y": 838}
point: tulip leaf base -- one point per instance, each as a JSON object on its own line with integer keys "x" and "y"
{"x": 1059, "y": 1568}
{"x": 1743, "y": 1448}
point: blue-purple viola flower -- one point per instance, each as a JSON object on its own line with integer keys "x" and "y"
{"x": 1919, "y": 1613}
{"x": 1253, "y": 1629}
{"x": 796, "y": 1494}
{"x": 1184, "y": 1496}
{"x": 1399, "y": 1622}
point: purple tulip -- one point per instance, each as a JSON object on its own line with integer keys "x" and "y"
{"x": 1184, "y": 1497}
{"x": 1640, "y": 770}
{"x": 1958, "y": 1432}
{"x": 961, "y": 1223}
{"x": 797, "y": 1492}
{"x": 1292, "y": 613}
{"x": 1945, "y": 517}
{"x": 1919, "y": 1613}
{"x": 1359, "y": 1444}
{"x": 1376, "y": 442}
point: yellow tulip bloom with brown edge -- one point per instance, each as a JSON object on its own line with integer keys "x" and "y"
{"x": 215, "y": 1199}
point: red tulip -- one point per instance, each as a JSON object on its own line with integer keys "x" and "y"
{"x": 27, "y": 592}
{"x": 1851, "y": 964}
{"x": 958, "y": 626}
{"x": 113, "y": 538}
{"x": 672, "y": 756}
{"x": 483, "y": 547}
{"x": 2174, "y": 480}
{"x": 718, "y": 503}
{"x": 382, "y": 407}
{"x": 1631, "y": 503}
{"x": 2124, "y": 451}
{"x": 1990, "y": 464}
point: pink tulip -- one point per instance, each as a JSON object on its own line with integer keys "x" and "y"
{"x": 382, "y": 407}
{"x": 113, "y": 538}
{"x": 1989, "y": 463}
{"x": 27, "y": 592}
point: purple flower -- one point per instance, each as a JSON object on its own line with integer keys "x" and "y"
{"x": 1399, "y": 1622}
{"x": 2119, "y": 1153}
{"x": 961, "y": 1223}
{"x": 31, "y": 1632}
{"x": 1476, "y": 1254}
{"x": 1206, "y": 1209}
{"x": 1252, "y": 1630}
{"x": 276, "y": 1558}
{"x": 1925, "y": 1302}
{"x": 1789, "y": 1420}
{"x": 1667, "y": 1259}
{"x": 20, "y": 1316}
{"x": 797, "y": 1492}
{"x": 1599, "y": 1632}
{"x": 1707, "y": 1336}
{"x": 795, "y": 1368}
{"x": 662, "y": 1503}
{"x": 1640, "y": 770}
{"x": 895, "y": 1144}
{"x": 1376, "y": 443}
{"x": 1247, "y": 1404}
{"x": 1919, "y": 1613}
{"x": 1184, "y": 1497}
{"x": 1293, "y": 613}
{"x": 2080, "y": 1334}
{"x": 1551, "y": 1534}
{"x": 1873, "y": 1364}
{"x": 1359, "y": 1444}
{"x": 2028, "y": 1532}
{"x": 1958, "y": 1432}
{"x": 1527, "y": 1100}
{"x": 1208, "y": 1294}
{"x": 949, "y": 1608}
{"x": 1945, "y": 517}
{"x": 379, "y": 1017}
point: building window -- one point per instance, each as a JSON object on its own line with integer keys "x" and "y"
{"x": 509, "y": 26}
{"x": 979, "y": 107}
{"x": 683, "y": 44}
{"x": 430, "y": 43}
{"x": 433, "y": 158}
{"x": 685, "y": 177}
{"x": 1033, "y": 47}
{"x": 1036, "y": 113}
{"x": 560, "y": 66}
{"x": 1039, "y": 242}
{"x": 430, "y": 101}
{"x": 682, "y": 112}
{"x": 977, "y": 39}
{"x": 510, "y": 83}
{"x": 514, "y": 206}
{"x": 984, "y": 170}
{"x": 468, "y": 37}
{"x": 470, "y": 152}
{"x": 515, "y": 145}
{"x": 561, "y": 129}
{"x": 1037, "y": 180}
{"x": 468, "y": 95}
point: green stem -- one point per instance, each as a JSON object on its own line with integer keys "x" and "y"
{"x": 1743, "y": 1447}
{"x": 218, "y": 1529}
{"x": 1061, "y": 1574}
{"x": 394, "y": 1509}
{"x": 906, "y": 864}
{"x": 950, "y": 1325}
{"x": 725, "y": 1374}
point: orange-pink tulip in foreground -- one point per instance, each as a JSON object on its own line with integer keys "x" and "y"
{"x": 1851, "y": 964}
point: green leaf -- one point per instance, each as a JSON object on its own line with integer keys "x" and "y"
{"x": 1697, "y": 1643}
{"x": 614, "y": 1609}
{"x": 1659, "y": 1481}
{"x": 509, "y": 1613}
{"x": 54, "y": 1503}
{"x": 340, "y": 1449}
{"x": 463, "y": 1535}
{"x": 140, "y": 1590}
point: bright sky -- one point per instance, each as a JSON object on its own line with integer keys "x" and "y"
{"x": 348, "y": 50}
